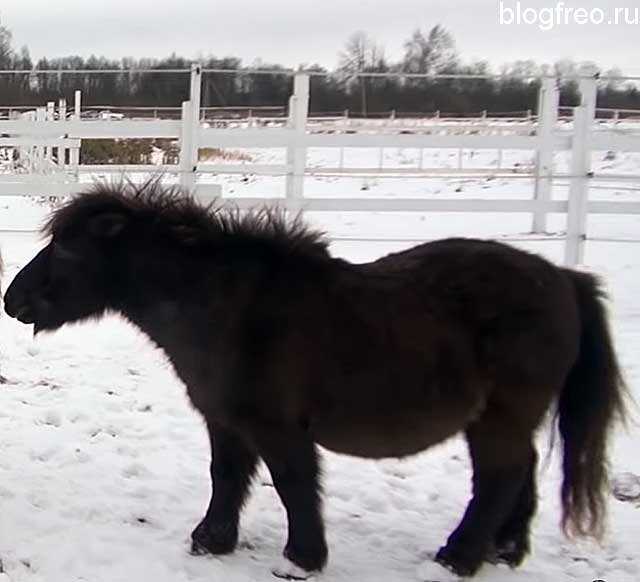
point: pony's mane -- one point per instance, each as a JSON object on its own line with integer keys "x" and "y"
{"x": 175, "y": 213}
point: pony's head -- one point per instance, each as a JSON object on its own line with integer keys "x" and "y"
{"x": 120, "y": 247}
{"x": 73, "y": 276}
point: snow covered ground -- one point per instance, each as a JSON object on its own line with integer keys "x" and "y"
{"x": 104, "y": 465}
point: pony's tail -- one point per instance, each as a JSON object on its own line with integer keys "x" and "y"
{"x": 592, "y": 400}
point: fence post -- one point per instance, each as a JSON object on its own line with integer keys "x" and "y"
{"x": 195, "y": 90}
{"x": 50, "y": 116}
{"x": 589, "y": 89}
{"x": 189, "y": 135}
{"x": 62, "y": 117}
{"x": 296, "y": 150}
{"x": 39, "y": 151}
{"x": 77, "y": 104}
{"x": 578, "y": 189}
{"x": 74, "y": 153}
{"x": 188, "y": 147}
{"x": 583, "y": 119}
{"x": 548, "y": 103}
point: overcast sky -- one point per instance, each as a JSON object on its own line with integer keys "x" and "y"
{"x": 292, "y": 32}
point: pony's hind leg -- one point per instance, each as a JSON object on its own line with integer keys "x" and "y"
{"x": 233, "y": 464}
{"x": 512, "y": 540}
{"x": 501, "y": 453}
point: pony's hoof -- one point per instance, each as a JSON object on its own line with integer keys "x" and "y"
{"x": 311, "y": 558}
{"x": 510, "y": 553}
{"x": 216, "y": 539}
{"x": 457, "y": 562}
{"x": 287, "y": 570}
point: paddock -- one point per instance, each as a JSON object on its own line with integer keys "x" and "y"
{"x": 96, "y": 412}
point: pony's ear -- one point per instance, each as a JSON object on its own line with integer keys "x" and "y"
{"x": 107, "y": 225}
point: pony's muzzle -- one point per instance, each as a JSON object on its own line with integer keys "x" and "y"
{"x": 25, "y": 315}
{"x": 18, "y": 308}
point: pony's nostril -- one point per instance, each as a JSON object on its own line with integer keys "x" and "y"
{"x": 24, "y": 314}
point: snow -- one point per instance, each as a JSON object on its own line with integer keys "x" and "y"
{"x": 104, "y": 464}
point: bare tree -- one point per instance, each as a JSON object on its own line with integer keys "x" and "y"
{"x": 361, "y": 55}
{"x": 6, "y": 52}
{"x": 430, "y": 54}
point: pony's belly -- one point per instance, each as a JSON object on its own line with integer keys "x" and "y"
{"x": 400, "y": 436}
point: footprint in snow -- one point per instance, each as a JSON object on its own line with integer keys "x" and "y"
{"x": 626, "y": 487}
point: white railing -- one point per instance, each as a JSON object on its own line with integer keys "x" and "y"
{"x": 546, "y": 137}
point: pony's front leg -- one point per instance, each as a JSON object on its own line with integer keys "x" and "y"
{"x": 233, "y": 464}
{"x": 292, "y": 460}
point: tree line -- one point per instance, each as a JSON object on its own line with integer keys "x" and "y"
{"x": 431, "y": 52}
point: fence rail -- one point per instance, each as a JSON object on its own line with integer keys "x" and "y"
{"x": 276, "y": 113}
{"x": 53, "y": 138}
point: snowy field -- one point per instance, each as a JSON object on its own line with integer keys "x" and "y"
{"x": 104, "y": 465}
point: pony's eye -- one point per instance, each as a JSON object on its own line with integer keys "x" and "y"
{"x": 63, "y": 253}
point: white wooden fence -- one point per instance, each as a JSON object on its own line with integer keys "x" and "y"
{"x": 44, "y": 132}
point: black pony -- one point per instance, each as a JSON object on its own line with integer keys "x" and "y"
{"x": 283, "y": 347}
